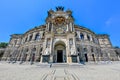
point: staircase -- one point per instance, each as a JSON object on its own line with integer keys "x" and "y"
{"x": 57, "y": 65}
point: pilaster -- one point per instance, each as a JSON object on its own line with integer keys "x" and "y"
{"x": 85, "y": 36}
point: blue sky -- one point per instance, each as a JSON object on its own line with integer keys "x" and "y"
{"x": 101, "y": 16}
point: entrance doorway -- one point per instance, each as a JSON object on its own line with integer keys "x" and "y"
{"x": 93, "y": 57}
{"x": 59, "y": 56}
{"x": 59, "y": 52}
{"x": 86, "y": 58}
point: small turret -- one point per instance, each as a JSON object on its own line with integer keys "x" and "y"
{"x": 59, "y": 8}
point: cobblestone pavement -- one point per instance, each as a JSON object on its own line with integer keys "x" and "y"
{"x": 83, "y": 72}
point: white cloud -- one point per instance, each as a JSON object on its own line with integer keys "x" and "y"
{"x": 108, "y": 22}
{"x": 114, "y": 20}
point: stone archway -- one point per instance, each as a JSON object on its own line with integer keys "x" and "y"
{"x": 1, "y": 54}
{"x": 59, "y": 52}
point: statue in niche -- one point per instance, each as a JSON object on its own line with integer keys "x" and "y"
{"x": 72, "y": 51}
{"x": 50, "y": 26}
{"x": 47, "y": 51}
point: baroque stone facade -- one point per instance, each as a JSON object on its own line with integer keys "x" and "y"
{"x": 59, "y": 41}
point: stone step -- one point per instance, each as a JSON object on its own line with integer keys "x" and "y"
{"x": 66, "y": 65}
{"x": 75, "y": 65}
{"x": 43, "y": 65}
{"x": 59, "y": 65}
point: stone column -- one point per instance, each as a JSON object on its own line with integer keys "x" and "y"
{"x": 67, "y": 28}
{"x": 118, "y": 58}
{"x": 79, "y": 34}
{"x": 29, "y": 53}
{"x": 5, "y": 55}
{"x": 19, "y": 54}
{"x": 41, "y": 34}
{"x": 89, "y": 52}
{"x": 48, "y": 25}
{"x": 22, "y": 55}
{"x": 91, "y": 38}
{"x": 44, "y": 45}
{"x": 78, "y": 59}
{"x": 52, "y": 28}
{"x": 74, "y": 44}
{"x": 85, "y": 36}
{"x": 33, "y": 37}
{"x": 22, "y": 41}
{"x": 95, "y": 54}
{"x": 41, "y": 59}
{"x": 99, "y": 59}
{"x": 37, "y": 53}
{"x": 71, "y": 27}
{"x": 51, "y": 50}
{"x": 68, "y": 55}
{"x": 44, "y": 48}
{"x": 28, "y": 37}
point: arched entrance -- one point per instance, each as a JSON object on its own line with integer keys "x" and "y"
{"x": 86, "y": 58}
{"x": 59, "y": 52}
{"x": 93, "y": 56}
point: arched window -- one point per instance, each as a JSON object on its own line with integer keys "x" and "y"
{"x": 92, "y": 49}
{"x": 76, "y": 35}
{"x": 15, "y": 42}
{"x": 37, "y": 37}
{"x": 93, "y": 40}
{"x": 30, "y": 38}
{"x": 26, "y": 39}
{"x": 70, "y": 41}
{"x": 88, "y": 37}
{"x": 34, "y": 49}
{"x": 96, "y": 40}
{"x": 78, "y": 49}
{"x": 27, "y": 50}
{"x": 41, "y": 49}
{"x": 85, "y": 50}
{"x": 81, "y": 36}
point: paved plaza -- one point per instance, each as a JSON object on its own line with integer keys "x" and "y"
{"x": 101, "y": 71}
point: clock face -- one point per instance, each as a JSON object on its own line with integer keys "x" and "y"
{"x": 59, "y": 20}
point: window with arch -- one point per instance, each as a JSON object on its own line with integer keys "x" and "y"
{"x": 76, "y": 35}
{"x": 93, "y": 39}
{"x": 81, "y": 36}
{"x": 78, "y": 49}
{"x": 41, "y": 49}
{"x": 85, "y": 50}
{"x": 26, "y": 39}
{"x": 70, "y": 41}
{"x": 37, "y": 36}
{"x": 88, "y": 37}
{"x": 96, "y": 40}
{"x": 27, "y": 50}
{"x": 92, "y": 49}
{"x": 43, "y": 33}
{"x": 34, "y": 49}
{"x": 15, "y": 42}
{"x": 30, "y": 38}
